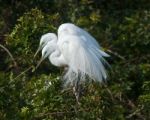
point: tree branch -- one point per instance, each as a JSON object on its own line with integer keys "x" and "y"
{"x": 11, "y": 56}
{"x": 115, "y": 54}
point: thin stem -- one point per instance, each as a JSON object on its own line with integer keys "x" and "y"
{"x": 53, "y": 113}
{"x": 134, "y": 113}
{"x": 11, "y": 56}
{"x": 26, "y": 70}
{"x": 116, "y": 54}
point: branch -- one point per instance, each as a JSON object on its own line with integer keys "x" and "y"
{"x": 134, "y": 113}
{"x": 26, "y": 70}
{"x": 11, "y": 56}
{"x": 115, "y": 53}
{"x": 53, "y": 113}
{"x": 109, "y": 91}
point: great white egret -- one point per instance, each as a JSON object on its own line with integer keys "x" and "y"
{"x": 76, "y": 49}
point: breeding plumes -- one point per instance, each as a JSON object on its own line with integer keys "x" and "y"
{"x": 77, "y": 50}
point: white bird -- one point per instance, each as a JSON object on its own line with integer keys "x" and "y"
{"x": 76, "y": 49}
{"x": 48, "y": 45}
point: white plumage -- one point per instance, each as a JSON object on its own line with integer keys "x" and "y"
{"x": 76, "y": 49}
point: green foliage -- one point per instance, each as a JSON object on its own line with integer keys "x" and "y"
{"x": 25, "y": 36}
{"x": 39, "y": 94}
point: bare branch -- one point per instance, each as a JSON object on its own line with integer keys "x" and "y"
{"x": 115, "y": 53}
{"x": 53, "y": 113}
{"x": 134, "y": 113}
{"x": 11, "y": 56}
{"x": 26, "y": 70}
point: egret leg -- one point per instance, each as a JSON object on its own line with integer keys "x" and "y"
{"x": 76, "y": 90}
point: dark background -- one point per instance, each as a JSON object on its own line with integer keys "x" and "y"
{"x": 122, "y": 27}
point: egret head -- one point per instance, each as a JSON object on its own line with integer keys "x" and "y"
{"x": 44, "y": 40}
{"x": 47, "y": 50}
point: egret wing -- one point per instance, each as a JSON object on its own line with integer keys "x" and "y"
{"x": 91, "y": 41}
{"x": 84, "y": 59}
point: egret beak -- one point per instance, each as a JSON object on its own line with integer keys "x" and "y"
{"x": 37, "y": 52}
{"x": 39, "y": 62}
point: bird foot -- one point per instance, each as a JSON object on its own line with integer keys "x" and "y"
{"x": 77, "y": 94}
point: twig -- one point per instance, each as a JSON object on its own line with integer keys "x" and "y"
{"x": 23, "y": 72}
{"x": 115, "y": 53}
{"x": 54, "y": 113}
{"x": 59, "y": 113}
{"x": 109, "y": 91}
{"x": 11, "y": 56}
{"x": 134, "y": 113}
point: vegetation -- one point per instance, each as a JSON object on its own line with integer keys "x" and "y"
{"x": 121, "y": 27}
